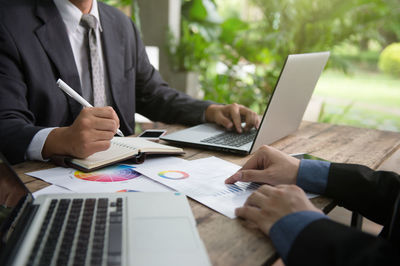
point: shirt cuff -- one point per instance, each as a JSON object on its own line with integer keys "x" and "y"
{"x": 285, "y": 231}
{"x": 313, "y": 175}
{"x": 35, "y": 148}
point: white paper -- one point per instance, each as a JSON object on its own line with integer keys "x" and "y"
{"x": 202, "y": 180}
{"x": 117, "y": 178}
{"x": 52, "y": 189}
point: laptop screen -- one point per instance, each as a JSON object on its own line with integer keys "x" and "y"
{"x": 13, "y": 195}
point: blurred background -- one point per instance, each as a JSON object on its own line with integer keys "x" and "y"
{"x": 233, "y": 50}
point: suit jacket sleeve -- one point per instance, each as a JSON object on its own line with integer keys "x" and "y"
{"x": 16, "y": 119}
{"x": 358, "y": 188}
{"x": 325, "y": 242}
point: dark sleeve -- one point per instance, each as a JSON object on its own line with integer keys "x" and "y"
{"x": 16, "y": 120}
{"x": 157, "y": 101}
{"x": 359, "y": 188}
{"x": 325, "y": 242}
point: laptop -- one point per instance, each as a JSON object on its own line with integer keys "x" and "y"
{"x": 95, "y": 229}
{"x": 282, "y": 116}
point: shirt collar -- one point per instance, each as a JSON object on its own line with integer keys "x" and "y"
{"x": 71, "y": 15}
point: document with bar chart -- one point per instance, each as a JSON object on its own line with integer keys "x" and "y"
{"x": 202, "y": 180}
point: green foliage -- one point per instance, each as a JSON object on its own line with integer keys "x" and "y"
{"x": 199, "y": 31}
{"x": 195, "y": 45}
{"x": 387, "y": 29}
{"x": 117, "y": 3}
{"x": 217, "y": 48}
{"x": 367, "y": 60}
{"x": 298, "y": 26}
{"x": 389, "y": 60}
{"x": 127, "y": 3}
{"x": 239, "y": 60}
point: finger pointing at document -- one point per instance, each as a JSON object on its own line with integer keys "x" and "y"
{"x": 268, "y": 165}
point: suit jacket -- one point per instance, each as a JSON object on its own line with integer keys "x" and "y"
{"x": 35, "y": 51}
{"x": 374, "y": 194}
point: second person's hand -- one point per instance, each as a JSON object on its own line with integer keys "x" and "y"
{"x": 268, "y": 204}
{"x": 268, "y": 165}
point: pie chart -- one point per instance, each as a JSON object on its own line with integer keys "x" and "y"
{"x": 173, "y": 175}
{"x": 110, "y": 174}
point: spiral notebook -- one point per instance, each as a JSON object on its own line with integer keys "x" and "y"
{"x": 121, "y": 149}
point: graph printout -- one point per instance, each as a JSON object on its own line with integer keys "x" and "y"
{"x": 202, "y": 180}
{"x": 110, "y": 179}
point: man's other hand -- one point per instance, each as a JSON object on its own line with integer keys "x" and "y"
{"x": 91, "y": 132}
{"x": 269, "y": 204}
{"x": 231, "y": 116}
{"x": 268, "y": 165}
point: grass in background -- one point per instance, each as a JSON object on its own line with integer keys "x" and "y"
{"x": 364, "y": 98}
{"x": 359, "y": 117}
{"x": 361, "y": 86}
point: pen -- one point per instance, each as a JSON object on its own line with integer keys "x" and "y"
{"x": 74, "y": 95}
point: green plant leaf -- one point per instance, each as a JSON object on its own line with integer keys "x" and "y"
{"x": 204, "y": 11}
{"x": 230, "y": 28}
{"x": 197, "y": 11}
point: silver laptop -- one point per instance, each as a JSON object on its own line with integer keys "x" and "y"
{"x": 282, "y": 116}
{"x": 95, "y": 229}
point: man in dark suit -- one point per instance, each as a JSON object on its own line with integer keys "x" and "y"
{"x": 301, "y": 233}
{"x": 43, "y": 40}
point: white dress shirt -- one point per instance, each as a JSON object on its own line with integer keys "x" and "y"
{"x": 71, "y": 16}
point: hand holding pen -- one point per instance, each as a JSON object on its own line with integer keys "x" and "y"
{"x": 74, "y": 95}
{"x": 91, "y": 132}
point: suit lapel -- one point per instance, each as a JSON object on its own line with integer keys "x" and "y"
{"x": 54, "y": 39}
{"x": 113, "y": 48}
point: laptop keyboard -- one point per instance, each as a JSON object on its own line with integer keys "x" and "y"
{"x": 232, "y": 138}
{"x": 80, "y": 232}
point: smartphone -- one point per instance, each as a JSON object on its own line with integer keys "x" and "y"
{"x": 152, "y": 134}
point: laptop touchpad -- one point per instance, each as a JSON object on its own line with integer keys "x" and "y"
{"x": 172, "y": 233}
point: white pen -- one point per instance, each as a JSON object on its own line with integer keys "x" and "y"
{"x": 74, "y": 95}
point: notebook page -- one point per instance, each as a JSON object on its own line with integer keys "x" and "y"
{"x": 145, "y": 145}
{"x": 116, "y": 152}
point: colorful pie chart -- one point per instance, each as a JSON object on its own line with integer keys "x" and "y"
{"x": 110, "y": 174}
{"x": 173, "y": 174}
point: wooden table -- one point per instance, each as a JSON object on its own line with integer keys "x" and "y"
{"x": 227, "y": 241}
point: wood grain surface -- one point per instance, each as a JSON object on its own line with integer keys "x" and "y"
{"x": 228, "y": 241}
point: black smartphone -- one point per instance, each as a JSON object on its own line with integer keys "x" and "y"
{"x": 152, "y": 134}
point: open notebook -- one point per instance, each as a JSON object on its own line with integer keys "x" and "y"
{"x": 121, "y": 149}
